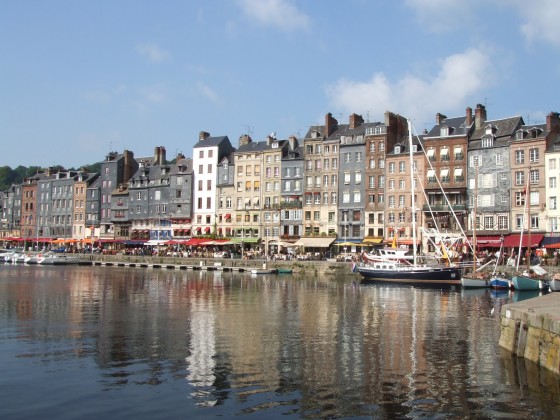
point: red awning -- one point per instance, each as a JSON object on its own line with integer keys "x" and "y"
{"x": 512, "y": 240}
{"x": 228, "y": 216}
{"x": 195, "y": 241}
{"x": 206, "y": 229}
{"x": 489, "y": 241}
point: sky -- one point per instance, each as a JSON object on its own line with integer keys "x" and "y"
{"x": 79, "y": 79}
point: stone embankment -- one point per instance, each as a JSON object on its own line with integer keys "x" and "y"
{"x": 225, "y": 264}
{"x": 531, "y": 329}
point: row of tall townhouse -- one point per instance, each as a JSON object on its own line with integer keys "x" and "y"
{"x": 346, "y": 181}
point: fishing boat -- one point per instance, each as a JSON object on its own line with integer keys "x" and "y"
{"x": 53, "y": 258}
{"x": 264, "y": 271}
{"x": 387, "y": 254}
{"x": 554, "y": 285}
{"x": 410, "y": 272}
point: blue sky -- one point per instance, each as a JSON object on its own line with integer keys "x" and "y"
{"x": 81, "y": 78}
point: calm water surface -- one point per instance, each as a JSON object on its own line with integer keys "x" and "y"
{"x": 108, "y": 342}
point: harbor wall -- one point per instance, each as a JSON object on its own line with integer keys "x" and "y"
{"x": 531, "y": 329}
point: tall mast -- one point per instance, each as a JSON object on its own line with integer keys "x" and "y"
{"x": 412, "y": 203}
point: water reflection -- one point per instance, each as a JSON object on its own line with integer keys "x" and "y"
{"x": 228, "y": 344}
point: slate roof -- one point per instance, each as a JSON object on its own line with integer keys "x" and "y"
{"x": 505, "y": 129}
{"x": 457, "y": 127}
{"x": 210, "y": 141}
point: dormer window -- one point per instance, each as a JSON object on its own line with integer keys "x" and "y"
{"x": 519, "y": 135}
{"x": 397, "y": 150}
{"x": 487, "y": 142}
{"x": 490, "y": 129}
{"x": 275, "y": 145}
{"x": 535, "y": 132}
{"x": 444, "y": 131}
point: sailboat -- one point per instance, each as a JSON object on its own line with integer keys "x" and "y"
{"x": 476, "y": 279}
{"x": 399, "y": 271}
{"x": 527, "y": 280}
{"x": 499, "y": 280}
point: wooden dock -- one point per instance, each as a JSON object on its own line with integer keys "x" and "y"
{"x": 200, "y": 267}
{"x": 531, "y": 329}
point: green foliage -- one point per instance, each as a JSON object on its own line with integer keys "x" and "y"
{"x": 9, "y": 176}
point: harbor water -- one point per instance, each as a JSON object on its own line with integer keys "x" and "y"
{"x": 81, "y": 342}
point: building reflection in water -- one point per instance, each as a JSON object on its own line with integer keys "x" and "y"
{"x": 313, "y": 346}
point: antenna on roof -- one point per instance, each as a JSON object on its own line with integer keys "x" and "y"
{"x": 367, "y": 116}
{"x": 248, "y": 130}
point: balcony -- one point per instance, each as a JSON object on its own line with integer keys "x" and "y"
{"x": 444, "y": 207}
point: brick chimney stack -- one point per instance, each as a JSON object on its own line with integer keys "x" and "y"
{"x": 468, "y": 120}
{"x": 440, "y": 118}
{"x": 553, "y": 122}
{"x": 244, "y": 139}
{"x": 203, "y": 135}
{"x": 330, "y": 124}
{"x": 479, "y": 115}
{"x": 355, "y": 121}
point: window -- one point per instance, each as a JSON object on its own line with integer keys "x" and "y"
{"x": 458, "y": 152}
{"x": 402, "y": 184}
{"x": 475, "y": 161}
{"x": 519, "y": 221}
{"x": 519, "y": 178}
{"x": 534, "y": 198}
{"x": 519, "y": 157}
{"x": 487, "y": 142}
{"x": 346, "y": 197}
{"x": 358, "y": 156}
{"x": 552, "y": 164}
{"x": 499, "y": 159}
{"x": 552, "y": 203}
{"x": 372, "y": 182}
{"x": 317, "y": 198}
{"x": 325, "y": 180}
{"x": 372, "y": 163}
{"x": 552, "y": 182}
{"x": 346, "y": 178}
{"x": 535, "y": 221}
{"x": 534, "y": 176}
{"x": 357, "y": 197}
{"x": 534, "y": 155}
{"x": 391, "y": 201}
{"x": 392, "y": 167}
{"x": 519, "y": 199}
{"x": 357, "y": 177}
{"x": 402, "y": 166}
{"x": 502, "y": 222}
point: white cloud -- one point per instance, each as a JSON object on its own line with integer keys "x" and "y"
{"x": 541, "y": 20}
{"x": 152, "y": 51}
{"x": 158, "y": 93}
{"x": 444, "y": 15}
{"x": 460, "y": 77}
{"x": 207, "y": 92}
{"x": 279, "y": 13}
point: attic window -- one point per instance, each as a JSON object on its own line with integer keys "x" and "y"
{"x": 519, "y": 135}
{"x": 397, "y": 150}
{"x": 487, "y": 142}
{"x": 275, "y": 145}
{"x": 444, "y": 131}
{"x": 490, "y": 129}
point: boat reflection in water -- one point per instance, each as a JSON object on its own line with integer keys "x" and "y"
{"x": 145, "y": 343}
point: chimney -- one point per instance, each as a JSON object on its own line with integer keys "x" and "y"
{"x": 553, "y": 122}
{"x": 244, "y": 139}
{"x": 330, "y": 124}
{"x": 479, "y": 115}
{"x": 129, "y": 165}
{"x": 292, "y": 141}
{"x": 468, "y": 120}
{"x": 440, "y": 118}
{"x": 203, "y": 135}
{"x": 355, "y": 121}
